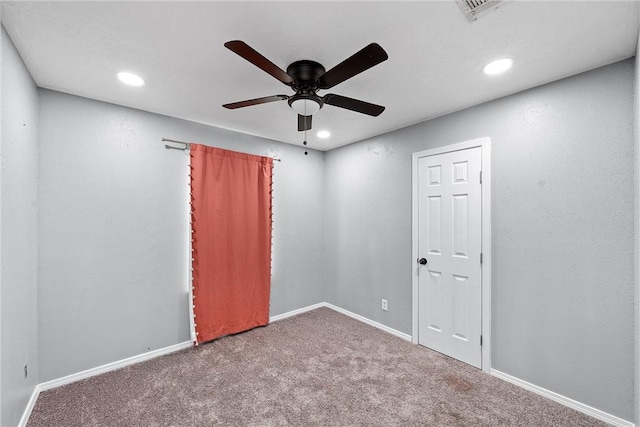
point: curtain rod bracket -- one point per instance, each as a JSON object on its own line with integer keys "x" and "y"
{"x": 186, "y": 147}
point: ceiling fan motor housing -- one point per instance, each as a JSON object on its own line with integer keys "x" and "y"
{"x": 305, "y": 73}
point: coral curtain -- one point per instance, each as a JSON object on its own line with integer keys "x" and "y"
{"x": 231, "y": 240}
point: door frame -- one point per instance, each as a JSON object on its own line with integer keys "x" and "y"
{"x": 485, "y": 146}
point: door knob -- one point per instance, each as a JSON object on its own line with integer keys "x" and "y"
{"x": 422, "y": 261}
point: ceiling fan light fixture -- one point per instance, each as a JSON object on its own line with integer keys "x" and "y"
{"x": 130, "y": 79}
{"x": 305, "y": 105}
{"x": 498, "y": 66}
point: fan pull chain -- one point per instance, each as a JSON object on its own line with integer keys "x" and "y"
{"x": 305, "y": 141}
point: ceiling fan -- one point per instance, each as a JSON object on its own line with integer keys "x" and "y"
{"x": 306, "y": 77}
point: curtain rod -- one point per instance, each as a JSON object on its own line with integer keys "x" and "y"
{"x": 187, "y": 146}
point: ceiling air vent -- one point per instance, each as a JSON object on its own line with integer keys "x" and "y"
{"x": 472, "y": 9}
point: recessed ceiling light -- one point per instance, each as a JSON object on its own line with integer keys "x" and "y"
{"x": 324, "y": 134}
{"x": 130, "y": 79}
{"x": 498, "y": 66}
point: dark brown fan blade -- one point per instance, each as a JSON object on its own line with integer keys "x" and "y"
{"x": 353, "y": 104}
{"x": 256, "y": 101}
{"x": 304, "y": 122}
{"x": 366, "y": 58}
{"x": 251, "y": 55}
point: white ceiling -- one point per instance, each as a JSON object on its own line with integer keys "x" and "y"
{"x": 434, "y": 67}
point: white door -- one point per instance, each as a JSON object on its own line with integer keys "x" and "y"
{"x": 449, "y": 251}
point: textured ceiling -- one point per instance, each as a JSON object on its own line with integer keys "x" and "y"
{"x": 434, "y": 67}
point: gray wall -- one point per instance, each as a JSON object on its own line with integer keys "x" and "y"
{"x": 636, "y": 180}
{"x": 19, "y": 228}
{"x": 113, "y": 230}
{"x": 563, "y": 231}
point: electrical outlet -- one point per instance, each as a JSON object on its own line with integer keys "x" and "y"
{"x": 385, "y": 304}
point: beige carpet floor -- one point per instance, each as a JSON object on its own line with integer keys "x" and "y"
{"x": 320, "y": 368}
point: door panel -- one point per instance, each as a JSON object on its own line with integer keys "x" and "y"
{"x": 449, "y": 237}
{"x": 461, "y": 225}
{"x": 434, "y": 301}
{"x": 434, "y": 239}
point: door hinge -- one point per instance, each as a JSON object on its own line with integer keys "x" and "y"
{"x": 480, "y": 177}
{"x": 480, "y": 257}
{"x": 481, "y": 340}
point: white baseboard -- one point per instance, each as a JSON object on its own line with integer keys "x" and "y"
{"x": 369, "y": 322}
{"x": 296, "y": 312}
{"x": 113, "y": 366}
{"x": 346, "y": 313}
{"x": 30, "y": 404}
{"x": 581, "y": 407}
{"x": 96, "y": 371}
